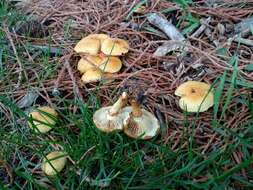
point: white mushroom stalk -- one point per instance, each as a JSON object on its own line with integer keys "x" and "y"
{"x": 111, "y": 118}
{"x": 118, "y": 104}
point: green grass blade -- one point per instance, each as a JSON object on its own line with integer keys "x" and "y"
{"x": 232, "y": 85}
{"x": 136, "y": 7}
{"x": 218, "y": 94}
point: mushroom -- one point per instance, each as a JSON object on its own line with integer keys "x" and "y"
{"x": 110, "y": 64}
{"x": 106, "y": 64}
{"x": 195, "y": 96}
{"x": 54, "y": 163}
{"x": 114, "y": 46}
{"x": 89, "y": 62}
{"x": 88, "y": 45}
{"x": 111, "y": 118}
{"x": 92, "y": 75}
{"x": 43, "y": 119}
{"x": 100, "y": 37}
{"x": 141, "y": 123}
{"x": 91, "y": 44}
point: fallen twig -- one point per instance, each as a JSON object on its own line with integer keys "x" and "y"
{"x": 169, "y": 29}
{"x": 27, "y": 99}
{"x": 204, "y": 23}
{"x": 244, "y": 25}
{"x": 168, "y": 46}
{"x": 177, "y": 39}
{"x": 6, "y": 30}
{"x": 56, "y": 91}
{"x": 75, "y": 86}
{"x": 244, "y": 41}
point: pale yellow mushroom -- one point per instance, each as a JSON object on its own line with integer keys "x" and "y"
{"x": 114, "y": 46}
{"x": 89, "y": 62}
{"x": 110, "y": 64}
{"x": 111, "y": 118}
{"x": 92, "y": 75}
{"x": 90, "y": 44}
{"x": 43, "y": 119}
{"x": 141, "y": 123}
{"x": 195, "y": 96}
{"x": 100, "y": 37}
{"x": 54, "y": 163}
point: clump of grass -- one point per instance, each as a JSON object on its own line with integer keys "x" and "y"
{"x": 114, "y": 159}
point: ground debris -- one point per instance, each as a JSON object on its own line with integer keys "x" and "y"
{"x": 28, "y": 99}
{"x": 169, "y": 29}
{"x": 244, "y": 25}
{"x": 177, "y": 41}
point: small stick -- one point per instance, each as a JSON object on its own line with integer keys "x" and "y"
{"x": 169, "y": 29}
{"x": 244, "y": 41}
{"x": 6, "y": 30}
{"x": 166, "y": 47}
{"x": 57, "y": 82}
{"x": 75, "y": 86}
{"x": 177, "y": 39}
{"x": 204, "y": 23}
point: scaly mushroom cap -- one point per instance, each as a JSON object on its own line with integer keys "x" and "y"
{"x": 54, "y": 163}
{"x": 92, "y": 75}
{"x": 141, "y": 123}
{"x": 44, "y": 118}
{"x": 114, "y": 46}
{"x": 88, "y": 45}
{"x": 89, "y": 62}
{"x": 195, "y": 96}
{"x": 110, "y": 64}
{"x": 111, "y": 118}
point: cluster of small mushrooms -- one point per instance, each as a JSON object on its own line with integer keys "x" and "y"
{"x": 140, "y": 123}
{"x": 134, "y": 121}
{"x": 99, "y": 56}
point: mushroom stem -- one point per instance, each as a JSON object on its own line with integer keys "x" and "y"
{"x": 118, "y": 104}
{"x": 136, "y": 110}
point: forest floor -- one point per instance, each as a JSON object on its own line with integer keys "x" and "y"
{"x": 209, "y": 150}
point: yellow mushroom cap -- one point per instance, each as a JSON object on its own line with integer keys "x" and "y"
{"x": 44, "y": 118}
{"x": 141, "y": 123}
{"x": 195, "y": 96}
{"x": 100, "y": 37}
{"x": 111, "y": 118}
{"x": 54, "y": 163}
{"x": 92, "y": 75}
{"x": 89, "y": 62}
{"x": 110, "y": 64}
{"x": 88, "y": 45}
{"x": 114, "y": 46}
{"x": 91, "y": 44}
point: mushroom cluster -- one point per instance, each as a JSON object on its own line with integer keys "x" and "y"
{"x": 99, "y": 56}
{"x": 132, "y": 120}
